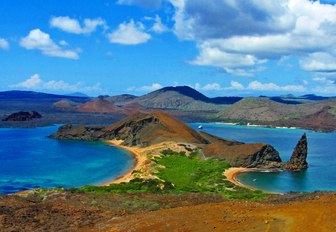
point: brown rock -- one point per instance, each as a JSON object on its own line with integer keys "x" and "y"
{"x": 298, "y": 159}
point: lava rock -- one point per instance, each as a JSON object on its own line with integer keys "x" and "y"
{"x": 23, "y": 116}
{"x": 298, "y": 159}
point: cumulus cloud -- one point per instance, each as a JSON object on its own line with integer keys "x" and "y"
{"x": 71, "y": 25}
{"x": 36, "y": 83}
{"x": 4, "y": 44}
{"x": 319, "y": 62}
{"x": 214, "y": 56}
{"x": 39, "y": 40}
{"x": 325, "y": 85}
{"x": 129, "y": 34}
{"x": 208, "y": 87}
{"x": 152, "y": 87}
{"x": 143, "y": 3}
{"x": 257, "y": 30}
{"x": 259, "y": 86}
{"x": 235, "y": 85}
{"x": 158, "y": 26}
{"x": 147, "y": 88}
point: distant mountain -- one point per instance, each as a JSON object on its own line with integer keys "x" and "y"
{"x": 319, "y": 115}
{"x": 100, "y": 106}
{"x": 78, "y": 94}
{"x": 121, "y": 99}
{"x": 225, "y": 100}
{"x": 181, "y": 98}
{"x": 282, "y": 100}
{"x": 314, "y": 97}
{"x": 17, "y": 94}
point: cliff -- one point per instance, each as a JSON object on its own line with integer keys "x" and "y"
{"x": 142, "y": 129}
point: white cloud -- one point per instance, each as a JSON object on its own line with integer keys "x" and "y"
{"x": 129, "y": 34}
{"x": 63, "y": 43}
{"x": 259, "y": 86}
{"x": 158, "y": 26}
{"x": 36, "y": 83}
{"x": 256, "y": 85}
{"x": 147, "y": 88}
{"x": 143, "y": 3}
{"x": 322, "y": 80}
{"x": 31, "y": 83}
{"x": 4, "y": 44}
{"x": 154, "y": 86}
{"x": 37, "y": 39}
{"x": 219, "y": 58}
{"x": 236, "y": 85}
{"x": 257, "y": 30}
{"x": 319, "y": 62}
{"x": 71, "y": 25}
{"x": 208, "y": 87}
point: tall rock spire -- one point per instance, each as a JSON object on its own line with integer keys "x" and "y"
{"x": 298, "y": 159}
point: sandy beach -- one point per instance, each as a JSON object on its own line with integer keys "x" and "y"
{"x": 139, "y": 156}
{"x": 231, "y": 174}
{"x": 142, "y": 162}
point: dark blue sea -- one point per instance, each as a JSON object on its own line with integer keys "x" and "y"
{"x": 28, "y": 159}
{"x": 321, "y": 174}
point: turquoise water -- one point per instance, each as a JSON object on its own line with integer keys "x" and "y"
{"x": 28, "y": 159}
{"x": 321, "y": 174}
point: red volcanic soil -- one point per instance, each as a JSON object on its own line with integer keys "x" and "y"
{"x": 132, "y": 108}
{"x": 154, "y": 128}
{"x": 65, "y": 104}
{"x": 100, "y": 106}
{"x": 67, "y": 211}
{"x": 322, "y": 120}
{"x": 314, "y": 214}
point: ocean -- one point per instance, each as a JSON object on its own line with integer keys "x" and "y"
{"x": 321, "y": 174}
{"x": 29, "y": 159}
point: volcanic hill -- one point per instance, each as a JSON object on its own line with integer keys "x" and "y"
{"x": 148, "y": 129}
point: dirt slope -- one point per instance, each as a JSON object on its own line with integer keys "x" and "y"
{"x": 316, "y": 214}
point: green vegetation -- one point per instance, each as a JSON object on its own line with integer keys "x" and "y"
{"x": 136, "y": 185}
{"x": 178, "y": 173}
{"x": 193, "y": 174}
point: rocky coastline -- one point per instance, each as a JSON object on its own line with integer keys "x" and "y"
{"x": 143, "y": 130}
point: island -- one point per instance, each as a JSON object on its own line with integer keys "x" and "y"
{"x": 157, "y": 132}
{"x": 23, "y": 116}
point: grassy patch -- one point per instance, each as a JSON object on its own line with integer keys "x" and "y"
{"x": 192, "y": 174}
{"x": 178, "y": 173}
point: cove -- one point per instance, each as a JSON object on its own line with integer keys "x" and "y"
{"x": 320, "y": 176}
{"x": 29, "y": 159}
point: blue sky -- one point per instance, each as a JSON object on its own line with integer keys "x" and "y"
{"x": 219, "y": 47}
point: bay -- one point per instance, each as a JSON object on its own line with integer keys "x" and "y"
{"x": 29, "y": 159}
{"x": 321, "y": 174}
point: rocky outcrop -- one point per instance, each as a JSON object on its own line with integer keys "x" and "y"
{"x": 23, "y": 116}
{"x": 256, "y": 155}
{"x": 136, "y": 130}
{"x": 298, "y": 159}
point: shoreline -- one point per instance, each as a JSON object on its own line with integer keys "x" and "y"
{"x": 127, "y": 176}
{"x": 259, "y": 125}
{"x": 233, "y": 172}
